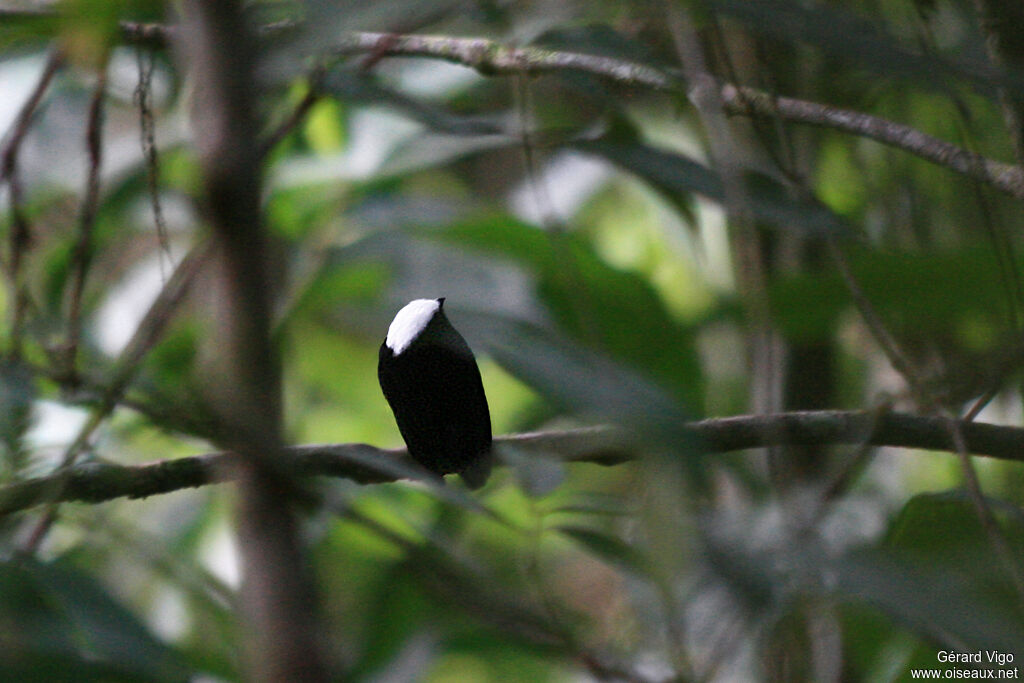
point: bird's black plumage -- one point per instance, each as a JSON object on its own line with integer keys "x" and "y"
{"x": 434, "y": 389}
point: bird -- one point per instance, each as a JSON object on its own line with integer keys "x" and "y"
{"x": 430, "y": 379}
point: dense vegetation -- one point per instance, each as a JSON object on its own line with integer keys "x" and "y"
{"x": 644, "y": 217}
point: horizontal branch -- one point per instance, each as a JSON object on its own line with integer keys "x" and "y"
{"x": 743, "y": 101}
{"x": 494, "y": 58}
{"x": 99, "y": 482}
{"x": 489, "y": 57}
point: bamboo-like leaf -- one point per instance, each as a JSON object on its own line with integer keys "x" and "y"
{"x": 58, "y": 623}
{"x": 674, "y": 174}
{"x": 609, "y": 548}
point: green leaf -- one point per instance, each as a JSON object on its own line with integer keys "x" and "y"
{"x": 843, "y": 34}
{"x": 584, "y": 382}
{"x": 675, "y": 175}
{"x": 33, "y": 631}
{"x": 593, "y": 503}
{"x": 940, "y": 574}
{"x": 943, "y": 529}
{"x": 109, "y": 631}
{"x": 941, "y": 605}
{"x": 324, "y": 128}
{"x": 30, "y": 27}
{"x": 89, "y": 29}
{"x": 340, "y": 282}
{"x": 396, "y": 595}
{"x": 56, "y": 621}
{"x": 612, "y": 310}
{"x": 17, "y": 393}
{"x": 296, "y": 213}
{"x": 357, "y": 86}
{"x": 609, "y": 548}
{"x": 929, "y": 293}
{"x": 173, "y": 359}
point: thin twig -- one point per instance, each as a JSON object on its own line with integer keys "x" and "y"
{"x": 82, "y": 257}
{"x": 313, "y": 94}
{"x": 955, "y": 428}
{"x": 986, "y": 517}
{"x": 143, "y": 98}
{"x": 886, "y": 342}
{"x": 21, "y": 229}
{"x": 493, "y": 58}
{"x": 23, "y": 120}
{"x": 580, "y": 309}
{"x": 146, "y": 335}
{"x": 853, "y": 465}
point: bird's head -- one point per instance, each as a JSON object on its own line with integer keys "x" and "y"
{"x": 410, "y": 322}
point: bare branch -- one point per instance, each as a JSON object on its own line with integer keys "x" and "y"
{"x": 366, "y": 464}
{"x": 489, "y": 57}
{"x": 82, "y": 258}
{"x": 21, "y": 231}
{"x": 143, "y": 97}
{"x": 750, "y": 102}
{"x": 297, "y": 115}
{"x": 493, "y": 58}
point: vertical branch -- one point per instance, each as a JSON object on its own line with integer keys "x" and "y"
{"x": 747, "y": 245}
{"x": 21, "y": 231}
{"x": 750, "y": 251}
{"x": 989, "y": 523}
{"x": 277, "y": 597}
{"x": 82, "y": 257}
{"x": 298, "y": 114}
{"x": 147, "y": 134}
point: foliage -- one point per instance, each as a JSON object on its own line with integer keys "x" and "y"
{"x": 613, "y": 252}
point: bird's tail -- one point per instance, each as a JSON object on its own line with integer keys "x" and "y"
{"x": 476, "y": 473}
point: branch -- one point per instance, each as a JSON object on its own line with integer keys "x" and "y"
{"x": 20, "y": 231}
{"x": 364, "y": 464}
{"x": 84, "y": 248}
{"x": 277, "y": 594}
{"x": 128, "y": 362}
{"x": 489, "y": 57}
{"x": 1005, "y": 177}
{"x": 493, "y": 58}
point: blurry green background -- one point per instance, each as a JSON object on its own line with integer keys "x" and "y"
{"x": 578, "y": 230}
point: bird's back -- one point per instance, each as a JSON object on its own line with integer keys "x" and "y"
{"x": 437, "y": 396}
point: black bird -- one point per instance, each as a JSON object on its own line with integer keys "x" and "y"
{"x": 431, "y": 381}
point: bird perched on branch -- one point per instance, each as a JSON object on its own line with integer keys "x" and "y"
{"x": 431, "y": 381}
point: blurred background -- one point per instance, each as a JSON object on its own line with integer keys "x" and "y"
{"x": 614, "y": 252}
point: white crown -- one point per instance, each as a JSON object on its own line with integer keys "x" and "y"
{"x": 409, "y": 322}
